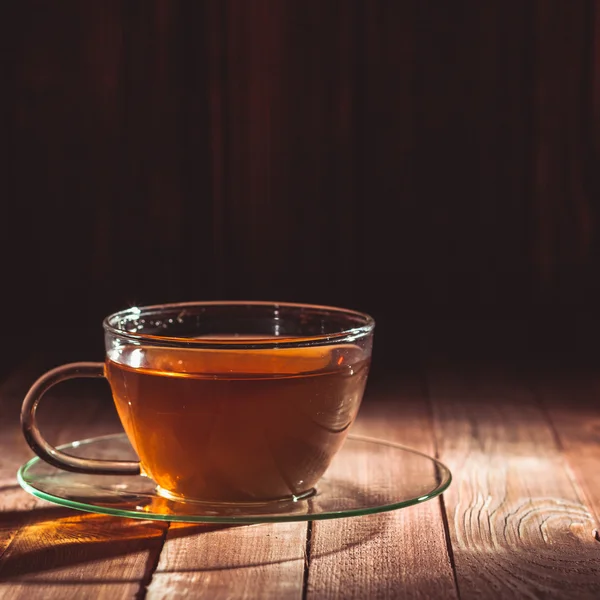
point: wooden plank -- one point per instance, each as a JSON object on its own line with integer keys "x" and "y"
{"x": 571, "y": 401}
{"x": 251, "y": 561}
{"x": 518, "y": 525}
{"x": 54, "y": 552}
{"x": 401, "y": 554}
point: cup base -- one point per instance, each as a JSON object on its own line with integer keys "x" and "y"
{"x": 178, "y": 498}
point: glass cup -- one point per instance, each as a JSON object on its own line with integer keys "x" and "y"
{"x": 225, "y": 402}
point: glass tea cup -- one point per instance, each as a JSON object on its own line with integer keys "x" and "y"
{"x": 224, "y": 402}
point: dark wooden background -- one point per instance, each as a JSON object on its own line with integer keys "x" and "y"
{"x": 419, "y": 160}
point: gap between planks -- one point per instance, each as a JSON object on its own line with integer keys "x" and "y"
{"x": 399, "y": 554}
{"x": 517, "y": 522}
{"x": 55, "y": 551}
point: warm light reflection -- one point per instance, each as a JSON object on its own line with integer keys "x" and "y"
{"x": 54, "y": 542}
{"x": 88, "y": 528}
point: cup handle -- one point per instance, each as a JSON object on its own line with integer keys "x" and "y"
{"x": 48, "y": 452}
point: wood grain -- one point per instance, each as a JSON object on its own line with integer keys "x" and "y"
{"x": 52, "y": 551}
{"x": 572, "y": 402}
{"x": 519, "y": 526}
{"x": 401, "y": 554}
{"x": 521, "y": 515}
{"x": 254, "y": 149}
{"x": 562, "y": 109}
{"x": 251, "y": 561}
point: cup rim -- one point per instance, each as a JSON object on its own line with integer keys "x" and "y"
{"x": 347, "y": 335}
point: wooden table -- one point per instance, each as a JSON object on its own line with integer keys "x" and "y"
{"x": 519, "y": 520}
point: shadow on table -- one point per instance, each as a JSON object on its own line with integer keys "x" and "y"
{"x": 46, "y": 539}
{"x": 53, "y": 538}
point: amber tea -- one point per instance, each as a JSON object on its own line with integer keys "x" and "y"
{"x": 237, "y": 425}
{"x": 224, "y": 402}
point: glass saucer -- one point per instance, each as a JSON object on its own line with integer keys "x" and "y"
{"x": 366, "y": 476}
